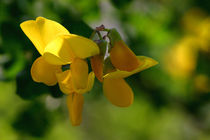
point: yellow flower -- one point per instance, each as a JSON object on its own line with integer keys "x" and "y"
{"x": 123, "y": 63}
{"x": 58, "y": 47}
{"x": 75, "y": 99}
{"x": 181, "y": 60}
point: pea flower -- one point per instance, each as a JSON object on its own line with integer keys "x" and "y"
{"x": 121, "y": 63}
{"x": 60, "y": 49}
{"x": 57, "y": 48}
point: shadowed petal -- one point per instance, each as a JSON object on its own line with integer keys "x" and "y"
{"x": 65, "y": 81}
{"x": 79, "y": 71}
{"x": 91, "y": 78}
{"x": 118, "y": 92}
{"x": 97, "y": 66}
{"x": 43, "y": 72}
{"x": 123, "y": 58}
{"x": 75, "y": 105}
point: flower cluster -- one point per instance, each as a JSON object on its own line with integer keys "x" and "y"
{"x": 63, "y": 61}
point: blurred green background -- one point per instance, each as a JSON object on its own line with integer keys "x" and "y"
{"x": 172, "y": 99}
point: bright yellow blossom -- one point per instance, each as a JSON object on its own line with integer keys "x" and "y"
{"x": 58, "y": 47}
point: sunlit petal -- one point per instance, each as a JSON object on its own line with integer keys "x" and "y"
{"x": 75, "y": 105}
{"x": 146, "y": 63}
{"x": 41, "y": 71}
{"x": 41, "y": 31}
{"x": 58, "y": 52}
{"x": 82, "y": 47}
{"x": 118, "y": 92}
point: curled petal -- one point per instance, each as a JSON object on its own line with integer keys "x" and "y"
{"x": 58, "y": 52}
{"x": 42, "y": 31}
{"x": 79, "y": 71}
{"x": 91, "y": 78}
{"x": 75, "y": 105}
{"x": 65, "y": 81}
{"x": 146, "y": 63}
{"x": 123, "y": 58}
{"x": 118, "y": 92}
{"x": 41, "y": 71}
{"x": 82, "y": 47}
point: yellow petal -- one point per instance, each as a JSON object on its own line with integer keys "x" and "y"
{"x": 123, "y": 58}
{"x": 75, "y": 105}
{"x": 41, "y": 71}
{"x": 146, "y": 63}
{"x": 91, "y": 78}
{"x": 58, "y": 52}
{"x": 41, "y": 31}
{"x": 79, "y": 71}
{"x": 118, "y": 92}
{"x": 97, "y": 66}
{"x": 82, "y": 47}
{"x": 65, "y": 81}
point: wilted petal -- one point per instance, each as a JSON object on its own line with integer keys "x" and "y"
{"x": 58, "y": 52}
{"x": 41, "y": 71}
{"x": 65, "y": 81}
{"x": 79, "y": 71}
{"x": 75, "y": 105}
{"x": 41, "y": 31}
{"x": 123, "y": 58}
{"x": 82, "y": 47}
{"x": 146, "y": 63}
{"x": 118, "y": 92}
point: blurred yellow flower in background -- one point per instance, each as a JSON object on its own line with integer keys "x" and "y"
{"x": 180, "y": 60}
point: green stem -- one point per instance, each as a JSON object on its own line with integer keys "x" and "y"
{"x": 99, "y": 34}
{"x": 93, "y": 34}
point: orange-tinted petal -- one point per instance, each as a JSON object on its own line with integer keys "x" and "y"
{"x": 75, "y": 105}
{"x": 97, "y": 66}
{"x": 42, "y": 31}
{"x": 79, "y": 71}
{"x": 118, "y": 92}
{"x": 123, "y": 58}
{"x": 146, "y": 63}
{"x": 41, "y": 71}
